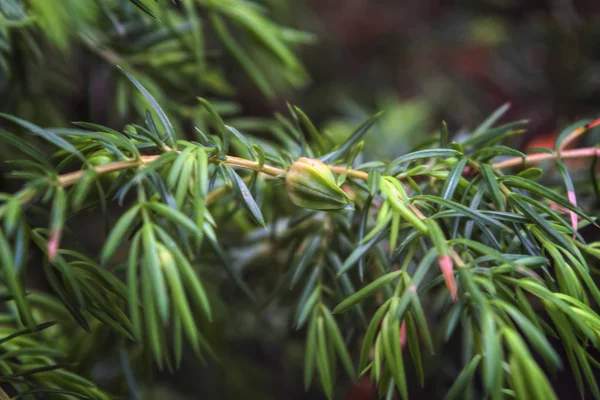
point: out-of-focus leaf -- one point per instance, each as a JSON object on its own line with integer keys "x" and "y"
{"x": 118, "y": 233}
{"x": 10, "y": 276}
{"x": 140, "y": 4}
{"x": 310, "y": 354}
{"x": 366, "y": 291}
{"x": 323, "y": 359}
{"x": 241, "y": 56}
{"x": 475, "y": 215}
{"x": 463, "y": 379}
{"x": 491, "y": 120}
{"x": 367, "y": 343}
{"x": 47, "y": 135}
{"x": 492, "y": 360}
{"x": 305, "y": 258}
{"x": 351, "y": 141}
{"x": 338, "y": 341}
{"x": 360, "y": 251}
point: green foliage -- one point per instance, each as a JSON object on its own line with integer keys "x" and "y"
{"x": 175, "y": 49}
{"x": 444, "y": 243}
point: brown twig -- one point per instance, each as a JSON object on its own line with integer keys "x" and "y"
{"x": 587, "y": 152}
{"x": 72, "y": 178}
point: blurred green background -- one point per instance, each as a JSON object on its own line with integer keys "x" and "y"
{"x": 421, "y": 61}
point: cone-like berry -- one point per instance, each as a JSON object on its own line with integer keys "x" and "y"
{"x": 311, "y": 184}
{"x": 100, "y": 158}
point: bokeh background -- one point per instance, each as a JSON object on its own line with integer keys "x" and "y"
{"x": 421, "y": 61}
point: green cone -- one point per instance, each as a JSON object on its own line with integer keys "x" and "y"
{"x": 311, "y": 184}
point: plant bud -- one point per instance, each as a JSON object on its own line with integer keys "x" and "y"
{"x": 100, "y": 158}
{"x": 311, "y": 184}
{"x": 165, "y": 258}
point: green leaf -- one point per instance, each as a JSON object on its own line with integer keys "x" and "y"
{"x": 464, "y": 378}
{"x": 197, "y": 39}
{"x": 338, "y": 341}
{"x": 492, "y": 184}
{"x": 180, "y": 302}
{"x": 310, "y": 354}
{"x": 531, "y": 173}
{"x": 176, "y": 167}
{"x": 82, "y": 189}
{"x": 47, "y": 135}
{"x": 437, "y": 237}
{"x": 519, "y": 202}
{"x": 194, "y": 285}
{"x": 394, "y": 229}
{"x": 238, "y": 52}
{"x": 308, "y": 307}
{"x": 144, "y": 8}
{"x": 73, "y": 308}
{"x": 477, "y": 216}
{"x": 305, "y": 258}
{"x": 189, "y": 276}
{"x": 42, "y": 390}
{"x": 535, "y": 336}
{"x": 132, "y": 287}
{"x": 393, "y": 353}
{"x": 244, "y": 195}
{"x": 229, "y": 268}
{"x": 490, "y": 152}
{"x": 32, "y": 371}
{"x": 568, "y": 130}
{"x": 26, "y": 331}
{"x": 392, "y": 189}
{"x": 367, "y": 344}
{"x": 354, "y": 138}
{"x": 149, "y": 299}
{"x": 155, "y": 106}
{"x": 57, "y": 218}
{"x": 492, "y": 349}
{"x": 323, "y": 359}
{"x": 310, "y": 129}
{"x": 152, "y": 264}
{"x": 421, "y": 322}
{"x": 491, "y": 120}
{"x": 453, "y": 178}
{"x": 181, "y": 194}
{"x": 525, "y": 371}
{"x": 118, "y": 233}
{"x": 373, "y": 181}
{"x": 540, "y": 190}
{"x": 264, "y": 31}
{"x": 176, "y": 217}
{"x": 495, "y": 135}
{"x": 27, "y": 148}
{"x": 244, "y": 140}
{"x": 418, "y": 155}
{"x": 220, "y": 125}
{"x": 481, "y": 248}
{"x": 366, "y": 291}
{"x": 12, "y": 281}
{"x": 360, "y": 251}
{"x": 413, "y": 346}
{"x": 444, "y": 135}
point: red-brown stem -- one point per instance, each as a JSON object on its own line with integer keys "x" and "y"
{"x": 72, "y": 178}
{"x": 587, "y": 152}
